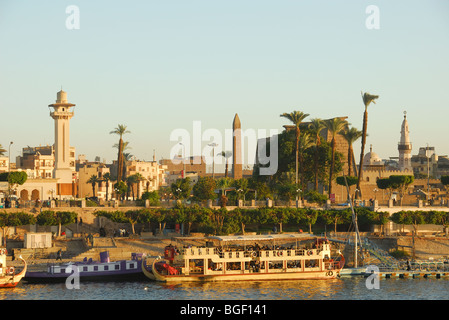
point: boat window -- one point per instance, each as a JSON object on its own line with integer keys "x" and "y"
{"x": 106, "y": 268}
{"x": 311, "y": 263}
{"x": 131, "y": 265}
{"x": 275, "y": 265}
{"x": 62, "y": 270}
{"x": 95, "y": 268}
{"x": 84, "y": 268}
{"x": 117, "y": 267}
{"x": 294, "y": 264}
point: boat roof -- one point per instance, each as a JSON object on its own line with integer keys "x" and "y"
{"x": 264, "y": 237}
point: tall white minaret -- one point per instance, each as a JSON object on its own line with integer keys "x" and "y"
{"x": 405, "y": 147}
{"x": 62, "y": 114}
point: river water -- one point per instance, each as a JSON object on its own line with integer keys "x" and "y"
{"x": 345, "y": 288}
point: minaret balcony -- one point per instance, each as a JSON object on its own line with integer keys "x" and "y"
{"x": 62, "y": 114}
{"x": 405, "y": 147}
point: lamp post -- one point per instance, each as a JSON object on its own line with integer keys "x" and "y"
{"x": 213, "y": 145}
{"x": 183, "y": 160}
{"x": 9, "y": 169}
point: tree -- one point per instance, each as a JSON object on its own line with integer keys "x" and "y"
{"x": 226, "y": 155}
{"x": 336, "y": 217}
{"x": 93, "y": 180}
{"x": 14, "y": 219}
{"x": 204, "y": 189}
{"x": 315, "y": 127}
{"x": 14, "y": 178}
{"x": 120, "y": 189}
{"x": 120, "y": 130}
{"x": 334, "y": 126}
{"x": 181, "y": 188}
{"x": 153, "y": 196}
{"x": 2, "y": 150}
{"x": 367, "y": 99}
{"x": 107, "y": 178}
{"x": 52, "y": 218}
{"x": 401, "y": 183}
{"x": 296, "y": 117}
{"x": 349, "y": 181}
{"x": 241, "y": 188}
{"x": 305, "y": 142}
{"x": 351, "y": 135}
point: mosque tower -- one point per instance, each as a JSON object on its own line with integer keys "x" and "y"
{"x": 405, "y": 147}
{"x": 62, "y": 114}
{"x": 237, "y": 172}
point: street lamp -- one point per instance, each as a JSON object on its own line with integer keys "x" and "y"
{"x": 213, "y": 145}
{"x": 183, "y": 160}
{"x": 9, "y": 169}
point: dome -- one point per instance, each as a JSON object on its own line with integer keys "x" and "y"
{"x": 371, "y": 158}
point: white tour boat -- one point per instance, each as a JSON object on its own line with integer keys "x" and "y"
{"x": 248, "y": 262}
{"x": 9, "y": 277}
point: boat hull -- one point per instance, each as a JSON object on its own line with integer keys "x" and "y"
{"x": 11, "y": 281}
{"x": 250, "y": 276}
{"x": 45, "y": 277}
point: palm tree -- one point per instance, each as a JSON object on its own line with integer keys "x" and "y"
{"x": 367, "y": 99}
{"x": 2, "y": 150}
{"x": 305, "y": 142}
{"x": 315, "y": 127}
{"x": 296, "y": 117}
{"x": 107, "y": 178}
{"x": 120, "y": 130}
{"x": 334, "y": 126}
{"x": 226, "y": 155}
{"x": 351, "y": 135}
{"x": 139, "y": 178}
{"x": 93, "y": 180}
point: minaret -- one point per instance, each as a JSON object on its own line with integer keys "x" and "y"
{"x": 237, "y": 148}
{"x": 62, "y": 114}
{"x": 405, "y": 147}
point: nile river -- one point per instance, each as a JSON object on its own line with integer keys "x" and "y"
{"x": 346, "y": 288}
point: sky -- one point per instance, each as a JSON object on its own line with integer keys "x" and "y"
{"x": 159, "y": 66}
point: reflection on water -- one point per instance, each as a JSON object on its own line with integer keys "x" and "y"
{"x": 350, "y": 288}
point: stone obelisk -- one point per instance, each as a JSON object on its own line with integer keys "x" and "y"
{"x": 237, "y": 172}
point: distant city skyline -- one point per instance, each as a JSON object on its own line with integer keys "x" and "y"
{"x": 156, "y": 67}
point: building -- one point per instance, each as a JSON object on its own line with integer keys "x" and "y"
{"x": 153, "y": 175}
{"x": 428, "y": 164}
{"x": 103, "y": 189}
{"x": 179, "y": 166}
{"x": 4, "y": 164}
{"x": 405, "y": 147}
{"x": 62, "y": 113}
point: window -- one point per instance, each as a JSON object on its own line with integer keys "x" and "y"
{"x": 117, "y": 267}
{"x": 106, "y": 268}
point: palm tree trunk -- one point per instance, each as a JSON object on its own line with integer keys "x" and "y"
{"x": 316, "y": 167}
{"x": 349, "y": 159}
{"x": 365, "y": 123}
{"x": 226, "y": 169}
{"x": 331, "y": 172}
{"x": 120, "y": 161}
{"x": 297, "y": 152}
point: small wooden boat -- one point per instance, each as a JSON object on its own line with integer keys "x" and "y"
{"x": 8, "y": 276}
{"x": 103, "y": 270}
{"x": 231, "y": 263}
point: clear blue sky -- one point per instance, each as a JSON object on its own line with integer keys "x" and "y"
{"x": 156, "y": 66}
